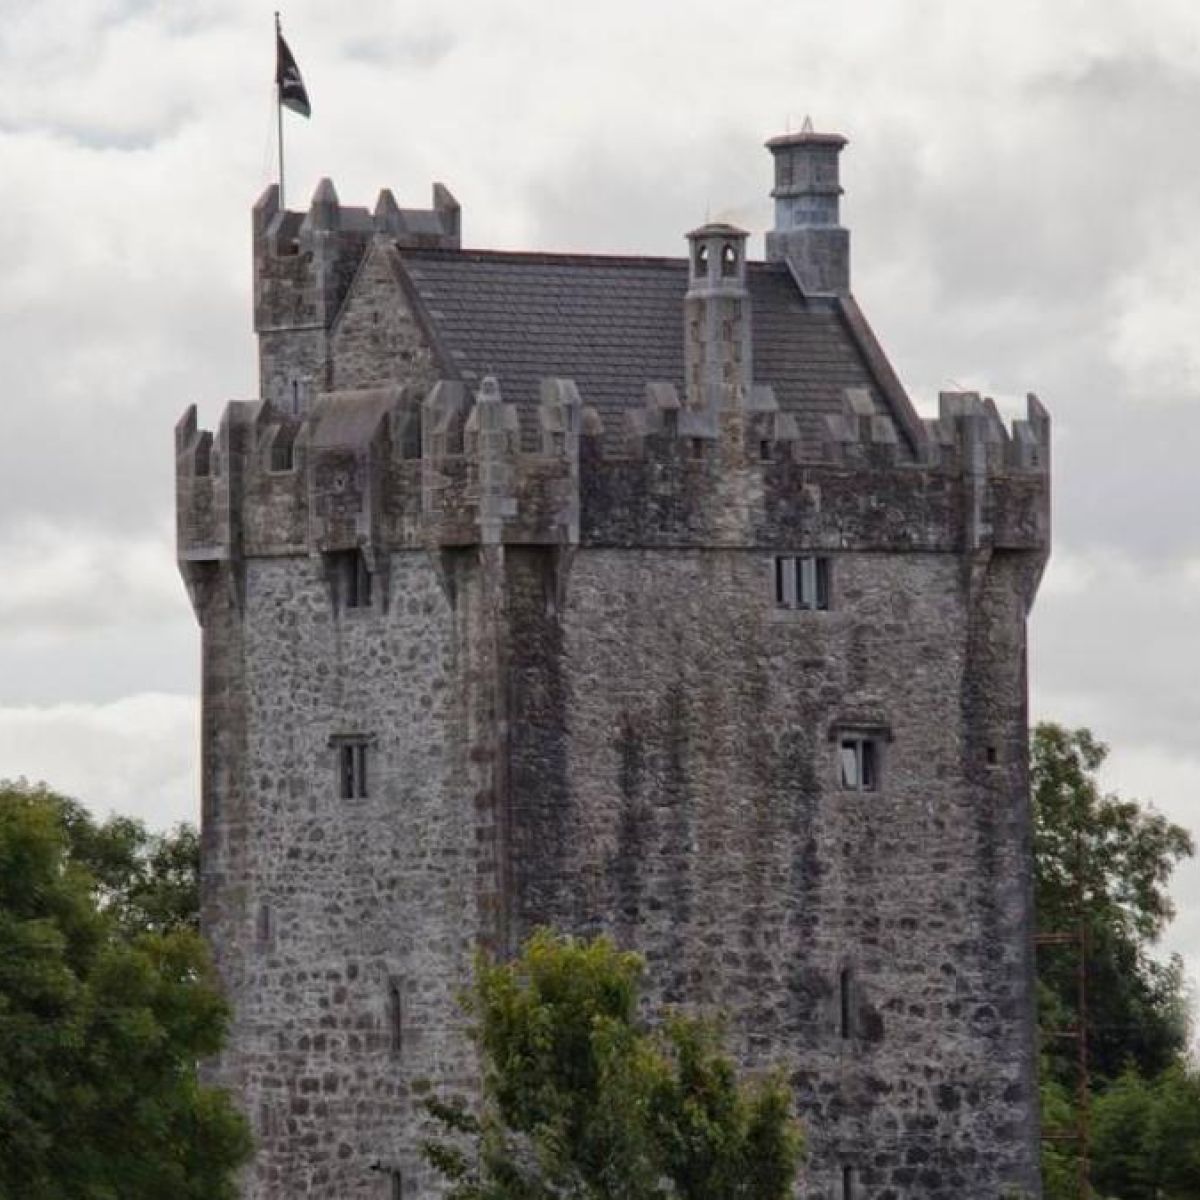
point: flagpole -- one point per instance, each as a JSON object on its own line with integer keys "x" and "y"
{"x": 279, "y": 113}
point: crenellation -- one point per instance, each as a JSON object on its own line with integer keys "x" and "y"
{"x": 378, "y": 467}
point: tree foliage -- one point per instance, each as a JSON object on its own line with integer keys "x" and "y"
{"x": 1118, "y": 857}
{"x": 583, "y": 1100}
{"x": 106, "y": 1004}
{"x": 1111, "y": 860}
{"x": 1147, "y": 1136}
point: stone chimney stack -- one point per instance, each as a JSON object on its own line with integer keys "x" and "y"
{"x": 716, "y": 314}
{"x": 807, "y": 234}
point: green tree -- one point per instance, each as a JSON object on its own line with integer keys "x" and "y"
{"x": 1119, "y": 857}
{"x": 1147, "y": 1136}
{"x": 107, "y": 1001}
{"x": 582, "y": 1100}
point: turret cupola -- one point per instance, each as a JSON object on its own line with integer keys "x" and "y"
{"x": 718, "y": 260}
{"x": 716, "y": 312}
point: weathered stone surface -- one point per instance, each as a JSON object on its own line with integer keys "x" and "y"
{"x": 582, "y": 705}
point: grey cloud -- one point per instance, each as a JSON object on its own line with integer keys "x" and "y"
{"x": 1117, "y": 649}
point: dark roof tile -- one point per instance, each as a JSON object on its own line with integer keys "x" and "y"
{"x": 615, "y": 324}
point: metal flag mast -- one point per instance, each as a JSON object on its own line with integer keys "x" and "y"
{"x": 279, "y": 108}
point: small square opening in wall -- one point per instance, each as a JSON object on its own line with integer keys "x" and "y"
{"x": 802, "y": 581}
{"x": 858, "y": 758}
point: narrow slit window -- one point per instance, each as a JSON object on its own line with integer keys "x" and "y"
{"x": 263, "y": 924}
{"x": 845, "y": 984}
{"x": 847, "y": 1183}
{"x": 397, "y": 1184}
{"x": 352, "y": 770}
{"x": 356, "y": 580}
{"x": 395, "y": 1017}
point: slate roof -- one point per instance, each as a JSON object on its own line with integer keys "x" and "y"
{"x": 614, "y": 324}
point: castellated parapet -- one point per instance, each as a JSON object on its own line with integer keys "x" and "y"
{"x": 387, "y": 469}
{"x": 625, "y": 595}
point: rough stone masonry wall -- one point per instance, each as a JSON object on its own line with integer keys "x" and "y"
{"x": 324, "y": 901}
{"x": 696, "y": 811}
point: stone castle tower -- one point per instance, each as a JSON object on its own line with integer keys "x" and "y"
{"x": 621, "y": 594}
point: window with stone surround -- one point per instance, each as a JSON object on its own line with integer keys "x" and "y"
{"x": 802, "y": 581}
{"x": 859, "y": 761}
{"x": 353, "y": 756}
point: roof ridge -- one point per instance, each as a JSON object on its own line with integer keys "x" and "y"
{"x": 555, "y": 258}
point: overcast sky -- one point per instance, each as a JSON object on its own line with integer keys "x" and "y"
{"x": 1022, "y": 190}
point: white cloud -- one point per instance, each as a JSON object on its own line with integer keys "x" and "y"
{"x": 60, "y": 580}
{"x": 135, "y": 756}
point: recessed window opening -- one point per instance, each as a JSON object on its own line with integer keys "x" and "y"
{"x": 701, "y": 260}
{"x": 262, "y": 928}
{"x": 352, "y": 578}
{"x": 204, "y": 455}
{"x": 847, "y": 1183}
{"x": 295, "y": 396}
{"x": 282, "y": 456}
{"x": 764, "y": 450}
{"x": 728, "y": 260}
{"x": 859, "y": 758}
{"x": 352, "y": 770}
{"x": 397, "y": 1184}
{"x": 802, "y": 582}
{"x": 697, "y": 447}
{"x": 845, "y": 984}
{"x": 395, "y": 1016}
{"x": 990, "y": 756}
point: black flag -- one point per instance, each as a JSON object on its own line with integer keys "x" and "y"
{"x": 287, "y": 78}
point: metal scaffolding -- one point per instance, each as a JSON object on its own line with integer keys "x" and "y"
{"x": 1076, "y": 938}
